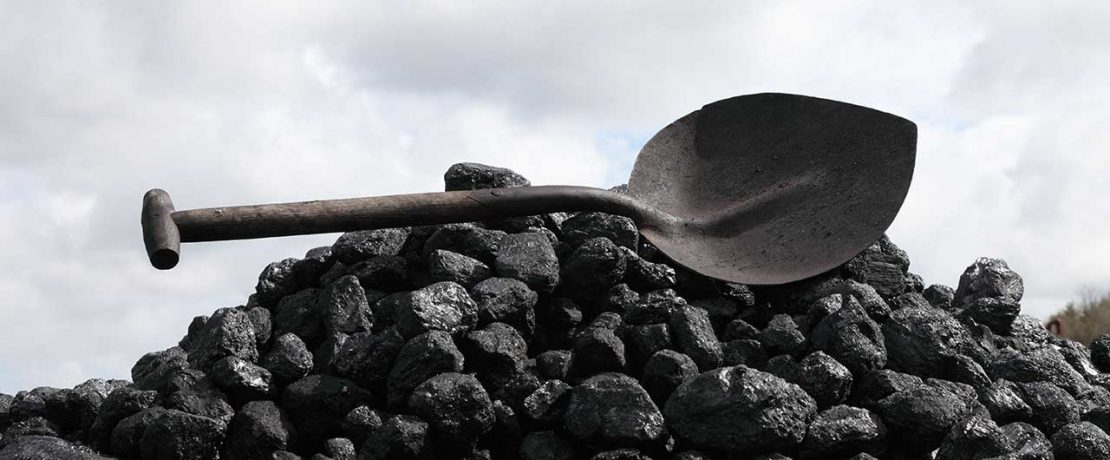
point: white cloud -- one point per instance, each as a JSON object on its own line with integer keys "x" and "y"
{"x": 232, "y": 103}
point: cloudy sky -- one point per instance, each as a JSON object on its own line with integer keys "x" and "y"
{"x": 224, "y": 103}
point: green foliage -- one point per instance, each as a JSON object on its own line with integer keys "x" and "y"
{"x": 1086, "y": 319}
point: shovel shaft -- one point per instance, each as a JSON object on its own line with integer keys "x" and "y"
{"x": 329, "y": 216}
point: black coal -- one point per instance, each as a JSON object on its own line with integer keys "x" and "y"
{"x": 569, "y": 337}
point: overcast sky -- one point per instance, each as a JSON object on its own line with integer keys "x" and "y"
{"x": 225, "y": 103}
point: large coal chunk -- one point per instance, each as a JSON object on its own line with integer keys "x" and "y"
{"x": 851, "y": 336}
{"x": 596, "y": 350}
{"x": 974, "y": 438}
{"x": 840, "y": 431}
{"x": 586, "y": 225}
{"x": 739, "y": 410}
{"x": 665, "y": 371}
{"x": 241, "y": 380}
{"x": 257, "y": 430}
{"x": 367, "y": 358}
{"x": 918, "y": 418}
{"x": 528, "y": 257}
{"x": 421, "y": 358}
{"x": 317, "y": 405}
{"x": 1051, "y": 406}
{"x": 176, "y": 435}
{"x": 1026, "y": 441}
{"x": 297, "y": 313}
{"x": 46, "y": 447}
{"x": 466, "y": 239}
{"x": 1004, "y": 402}
{"x": 592, "y": 268}
{"x": 781, "y": 336}
{"x": 344, "y": 308}
{"x": 1044, "y": 364}
{"x": 229, "y": 332}
{"x": 919, "y": 340}
{"x": 475, "y": 176}
{"x": 194, "y": 393}
{"x": 882, "y": 265}
{"x": 546, "y": 405}
{"x": 988, "y": 278}
{"x": 457, "y": 408}
{"x": 401, "y": 437}
{"x": 155, "y": 368}
{"x": 505, "y": 300}
{"x": 277, "y": 280}
{"x": 495, "y": 353}
{"x": 451, "y": 266}
{"x": 354, "y": 247}
{"x": 1082, "y": 440}
{"x": 288, "y": 359}
{"x": 613, "y": 410}
{"x": 693, "y": 334}
{"x": 120, "y": 403}
{"x": 875, "y": 385}
{"x": 826, "y": 380}
{"x": 443, "y": 306}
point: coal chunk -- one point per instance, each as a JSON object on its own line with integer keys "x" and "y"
{"x": 421, "y": 358}
{"x": 939, "y": 296}
{"x": 643, "y": 341}
{"x": 120, "y": 403}
{"x": 665, "y": 371}
{"x": 229, "y": 332}
{"x": 781, "y": 336}
{"x": 1052, "y": 407}
{"x": 344, "y": 308}
{"x": 1004, "y": 402}
{"x": 386, "y": 273}
{"x": 919, "y": 418}
{"x": 530, "y": 258}
{"x": 340, "y": 449}
{"x": 842, "y": 430}
{"x": 505, "y": 300}
{"x": 974, "y": 438}
{"x": 1026, "y": 441}
{"x": 612, "y": 410}
{"x": 360, "y": 422}
{"x": 153, "y": 370}
{"x": 821, "y": 376}
{"x": 747, "y": 352}
{"x": 46, "y": 447}
{"x": 644, "y": 276}
{"x": 693, "y": 334}
{"x": 466, "y": 239}
{"x": 1043, "y": 364}
{"x": 988, "y": 278}
{"x": 875, "y": 385}
{"x": 475, "y": 176}
{"x": 553, "y": 364}
{"x": 451, "y": 266}
{"x": 178, "y": 435}
{"x": 277, "y": 280}
{"x": 288, "y": 359}
{"x": 443, "y": 306}
{"x": 243, "y": 381}
{"x": 1100, "y": 353}
{"x": 298, "y": 314}
{"x": 883, "y": 265}
{"x": 597, "y": 350}
{"x": 1082, "y": 440}
{"x": 495, "y": 353}
{"x": 593, "y": 267}
{"x": 546, "y": 405}
{"x": 739, "y": 410}
{"x": 851, "y": 336}
{"x": 258, "y": 429}
{"x": 317, "y": 405}
{"x": 918, "y": 340}
{"x": 456, "y": 407}
{"x": 367, "y": 358}
{"x": 586, "y": 225}
{"x": 401, "y": 437}
{"x": 353, "y": 247}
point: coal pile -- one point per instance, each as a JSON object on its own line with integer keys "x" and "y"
{"x": 567, "y": 336}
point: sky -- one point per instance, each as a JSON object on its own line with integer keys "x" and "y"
{"x": 228, "y": 103}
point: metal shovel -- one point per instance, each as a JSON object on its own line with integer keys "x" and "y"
{"x": 758, "y": 189}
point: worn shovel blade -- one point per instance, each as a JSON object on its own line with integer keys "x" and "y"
{"x": 773, "y": 188}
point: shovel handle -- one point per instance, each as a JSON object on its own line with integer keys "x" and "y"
{"x": 165, "y": 229}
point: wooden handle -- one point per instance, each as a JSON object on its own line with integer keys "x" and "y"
{"x": 330, "y": 216}
{"x": 163, "y": 243}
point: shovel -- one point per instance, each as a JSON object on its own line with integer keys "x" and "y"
{"x": 758, "y": 189}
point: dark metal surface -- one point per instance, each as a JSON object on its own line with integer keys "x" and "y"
{"x": 759, "y": 189}
{"x": 773, "y": 188}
